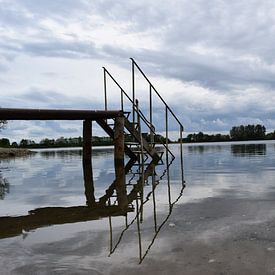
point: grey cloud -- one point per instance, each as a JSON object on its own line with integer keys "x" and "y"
{"x": 234, "y": 51}
{"x": 60, "y": 49}
{"x": 40, "y": 98}
{"x": 142, "y": 15}
{"x": 218, "y": 74}
{"x": 3, "y": 68}
{"x": 16, "y": 12}
{"x": 50, "y": 74}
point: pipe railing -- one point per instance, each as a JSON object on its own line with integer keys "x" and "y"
{"x": 136, "y": 111}
{"x": 168, "y": 110}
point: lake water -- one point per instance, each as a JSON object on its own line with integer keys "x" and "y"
{"x": 216, "y": 175}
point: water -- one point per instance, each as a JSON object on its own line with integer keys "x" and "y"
{"x": 224, "y": 183}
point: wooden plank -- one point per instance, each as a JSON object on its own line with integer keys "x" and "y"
{"x": 56, "y": 114}
{"x": 119, "y": 162}
{"x": 110, "y": 132}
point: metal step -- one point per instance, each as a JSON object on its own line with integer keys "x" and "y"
{"x": 150, "y": 150}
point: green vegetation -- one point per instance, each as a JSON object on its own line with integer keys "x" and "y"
{"x": 201, "y": 137}
{"x": 248, "y": 132}
{"x": 70, "y": 142}
{"x": 54, "y": 143}
{"x": 237, "y": 133}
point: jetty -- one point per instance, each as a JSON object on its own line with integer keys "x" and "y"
{"x": 126, "y": 193}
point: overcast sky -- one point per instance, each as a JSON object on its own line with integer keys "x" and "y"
{"x": 213, "y": 61}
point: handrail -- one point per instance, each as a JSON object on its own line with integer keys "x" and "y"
{"x": 161, "y": 98}
{"x": 135, "y": 108}
{"x": 121, "y": 89}
{"x": 134, "y": 104}
{"x": 167, "y": 108}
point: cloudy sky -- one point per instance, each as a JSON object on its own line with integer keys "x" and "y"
{"x": 213, "y": 61}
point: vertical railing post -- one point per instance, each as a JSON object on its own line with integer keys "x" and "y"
{"x": 166, "y": 125}
{"x": 119, "y": 162}
{"x": 121, "y": 100}
{"x": 151, "y": 116}
{"x": 105, "y": 89}
{"x": 133, "y": 89}
{"x": 181, "y": 155}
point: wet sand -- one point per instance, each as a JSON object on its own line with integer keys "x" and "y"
{"x": 221, "y": 235}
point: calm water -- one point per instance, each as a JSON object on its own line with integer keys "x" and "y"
{"x": 54, "y": 178}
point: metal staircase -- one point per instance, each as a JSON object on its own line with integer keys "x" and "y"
{"x": 137, "y": 147}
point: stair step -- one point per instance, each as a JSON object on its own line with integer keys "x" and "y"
{"x": 132, "y": 143}
{"x": 151, "y": 151}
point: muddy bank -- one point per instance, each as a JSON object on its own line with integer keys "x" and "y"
{"x": 14, "y": 152}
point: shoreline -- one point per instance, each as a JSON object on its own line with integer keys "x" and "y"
{"x": 14, "y": 152}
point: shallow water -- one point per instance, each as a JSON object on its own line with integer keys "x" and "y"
{"x": 54, "y": 178}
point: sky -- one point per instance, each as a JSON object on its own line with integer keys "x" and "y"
{"x": 212, "y": 61}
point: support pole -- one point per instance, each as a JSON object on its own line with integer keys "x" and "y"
{"x": 133, "y": 89}
{"x": 87, "y": 163}
{"x": 119, "y": 162}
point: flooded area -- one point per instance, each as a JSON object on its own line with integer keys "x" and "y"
{"x": 222, "y": 222}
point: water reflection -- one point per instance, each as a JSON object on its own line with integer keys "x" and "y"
{"x": 130, "y": 200}
{"x": 246, "y": 150}
{"x": 4, "y": 187}
{"x": 200, "y": 149}
{"x": 61, "y": 154}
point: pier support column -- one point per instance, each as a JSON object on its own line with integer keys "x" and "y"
{"x": 119, "y": 162}
{"x": 87, "y": 162}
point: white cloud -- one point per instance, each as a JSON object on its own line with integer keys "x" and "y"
{"x": 213, "y": 62}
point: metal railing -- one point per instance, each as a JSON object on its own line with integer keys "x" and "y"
{"x": 168, "y": 110}
{"x": 136, "y": 111}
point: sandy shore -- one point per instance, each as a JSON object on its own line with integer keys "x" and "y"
{"x": 14, "y": 152}
{"x": 214, "y": 236}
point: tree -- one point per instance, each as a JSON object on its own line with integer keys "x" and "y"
{"x": 248, "y": 132}
{"x": 4, "y": 142}
{"x": 14, "y": 144}
{"x": 26, "y": 143}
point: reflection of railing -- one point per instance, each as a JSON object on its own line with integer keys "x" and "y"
{"x": 4, "y": 187}
{"x": 137, "y": 195}
{"x": 138, "y": 200}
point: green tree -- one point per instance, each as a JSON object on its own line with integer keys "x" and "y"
{"x": 4, "y": 142}
{"x": 26, "y": 143}
{"x": 14, "y": 144}
{"x": 248, "y": 132}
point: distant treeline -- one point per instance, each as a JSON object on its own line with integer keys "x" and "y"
{"x": 70, "y": 142}
{"x": 237, "y": 133}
